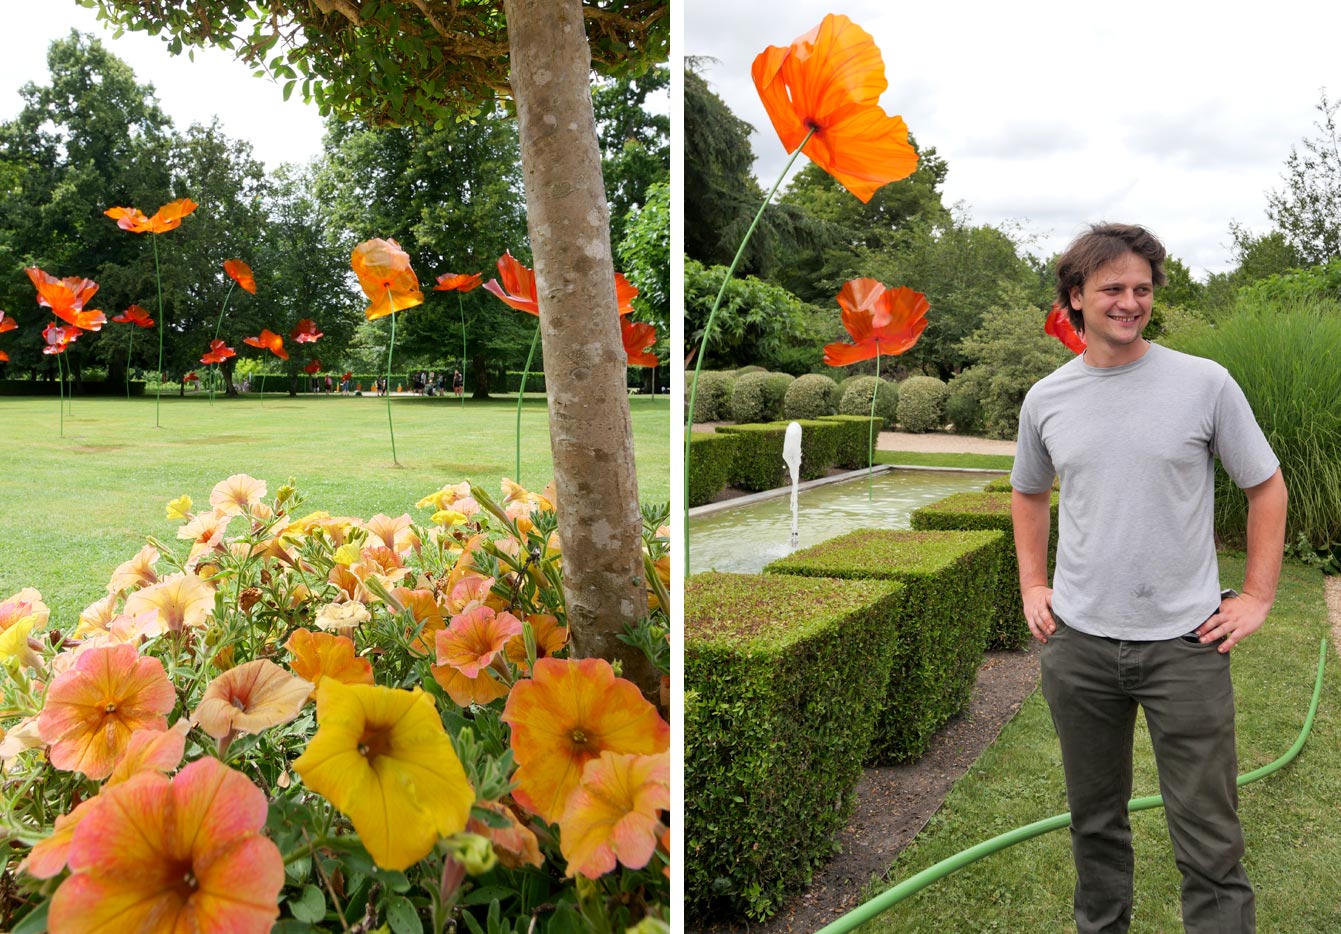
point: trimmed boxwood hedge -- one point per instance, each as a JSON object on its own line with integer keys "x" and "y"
{"x": 758, "y": 463}
{"x": 991, "y": 511}
{"x": 855, "y": 446}
{"x": 783, "y": 678}
{"x": 711, "y": 457}
{"x": 712, "y": 398}
{"x": 949, "y": 580}
{"x": 813, "y": 395}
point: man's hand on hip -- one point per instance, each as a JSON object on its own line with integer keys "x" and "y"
{"x": 1238, "y": 618}
{"x": 1038, "y": 612}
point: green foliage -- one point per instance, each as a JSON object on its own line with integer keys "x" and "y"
{"x": 756, "y": 397}
{"x": 1009, "y": 353}
{"x": 712, "y": 397}
{"x": 1287, "y": 360}
{"x": 392, "y": 63}
{"x": 964, "y": 412}
{"x": 978, "y": 511}
{"x": 854, "y": 446}
{"x": 856, "y": 399}
{"x": 711, "y": 456}
{"x": 1315, "y": 283}
{"x": 756, "y": 323}
{"x": 783, "y": 678}
{"x": 635, "y": 145}
{"x": 1308, "y": 211}
{"x": 949, "y": 581}
{"x": 812, "y": 395}
{"x": 922, "y": 403}
{"x": 758, "y": 464}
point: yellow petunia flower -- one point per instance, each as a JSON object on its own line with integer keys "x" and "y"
{"x": 382, "y": 757}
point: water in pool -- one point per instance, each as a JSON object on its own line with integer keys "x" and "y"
{"x": 745, "y": 538}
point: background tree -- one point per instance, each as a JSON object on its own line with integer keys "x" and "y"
{"x": 425, "y": 61}
{"x": 1308, "y": 210}
{"x": 635, "y": 142}
{"x": 644, "y": 256}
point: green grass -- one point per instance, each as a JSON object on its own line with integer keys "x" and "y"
{"x": 1291, "y": 818}
{"x": 920, "y": 459}
{"x": 73, "y": 508}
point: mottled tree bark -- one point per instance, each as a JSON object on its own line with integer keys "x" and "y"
{"x": 591, "y": 432}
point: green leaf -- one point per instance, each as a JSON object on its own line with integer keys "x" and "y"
{"x": 310, "y": 907}
{"x": 35, "y": 922}
{"x": 402, "y": 917}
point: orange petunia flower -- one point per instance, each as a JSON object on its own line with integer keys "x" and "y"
{"x": 268, "y": 340}
{"x": 318, "y": 655}
{"x": 550, "y": 638}
{"x": 863, "y": 302}
{"x": 473, "y": 638}
{"x": 518, "y": 289}
{"x": 515, "y": 845}
{"x": 168, "y": 217}
{"x": 567, "y": 714}
{"x": 237, "y": 494}
{"x": 382, "y": 757}
{"x": 425, "y": 612}
{"x": 614, "y": 815}
{"x": 638, "y": 339}
{"x": 135, "y": 315}
{"x": 458, "y": 281}
{"x": 183, "y": 854}
{"x": 181, "y": 600}
{"x": 136, "y": 573}
{"x": 830, "y": 81}
{"x": 250, "y": 698}
{"x": 1059, "y": 326}
{"x": 240, "y": 273}
{"x": 92, "y": 709}
{"x": 395, "y": 534}
{"x": 305, "y": 332}
{"x": 384, "y": 273}
{"x": 217, "y": 353}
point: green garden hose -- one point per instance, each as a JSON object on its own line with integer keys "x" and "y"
{"x": 891, "y": 897}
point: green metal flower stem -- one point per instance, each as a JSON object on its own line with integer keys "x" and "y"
{"x": 158, "y": 280}
{"x": 60, "y": 392}
{"x": 870, "y": 441}
{"x": 389, "y": 351}
{"x": 461, "y": 305}
{"x": 218, "y": 367}
{"x": 914, "y": 884}
{"x": 707, "y": 331}
{"x": 521, "y": 394}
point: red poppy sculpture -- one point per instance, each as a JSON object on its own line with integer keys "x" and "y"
{"x": 240, "y": 273}
{"x": 7, "y": 323}
{"x": 268, "y": 340}
{"x": 460, "y": 282}
{"x": 387, "y": 278}
{"x": 305, "y": 332}
{"x": 1059, "y": 326}
{"x": 140, "y": 318}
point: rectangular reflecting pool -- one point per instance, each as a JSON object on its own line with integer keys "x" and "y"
{"x": 742, "y": 539}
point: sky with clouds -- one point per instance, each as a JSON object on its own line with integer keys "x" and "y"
{"x": 1050, "y": 115}
{"x": 214, "y": 84}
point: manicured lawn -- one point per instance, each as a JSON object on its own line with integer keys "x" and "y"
{"x": 73, "y": 508}
{"x": 1291, "y": 818}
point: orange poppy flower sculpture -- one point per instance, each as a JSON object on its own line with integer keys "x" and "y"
{"x": 168, "y": 217}
{"x": 460, "y": 282}
{"x": 864, "y": 303}
{"x": 1059, "y": 326}
{"x": 822, "y": 96}
{"x": 7, "y": 323}
{"x": 386, "y": 277}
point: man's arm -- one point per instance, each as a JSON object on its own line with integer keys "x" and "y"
{"x": 1241, "y": 616}
{"x": 1031, "y": 515}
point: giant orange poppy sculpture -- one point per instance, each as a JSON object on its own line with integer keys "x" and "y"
{"x": 864, "y": 302}
{"x": 460, "y": 282}
{"x": 7, "y": 323}
{"x": 168, "y": 217}
{"x": 1059, "y": 326}
{"x": 386, "y": 277}
{"x": 822, "y": 95}
{"x": 140, "y": 318}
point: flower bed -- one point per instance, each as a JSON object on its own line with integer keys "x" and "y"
{"x": 380, "y": 726}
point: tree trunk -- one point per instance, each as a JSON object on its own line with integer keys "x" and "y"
{"x": 591, "y": 432}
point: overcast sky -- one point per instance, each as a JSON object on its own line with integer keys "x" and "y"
{"x": 1177, "y": 115}
{"x": 190, "y": 92}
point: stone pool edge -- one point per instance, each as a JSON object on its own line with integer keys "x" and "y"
{"x": 708, "y": 509}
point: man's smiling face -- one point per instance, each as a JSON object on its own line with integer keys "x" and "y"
{"x": 1115, "y": 303}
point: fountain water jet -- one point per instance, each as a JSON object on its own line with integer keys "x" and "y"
{"x": 791, "y": 453}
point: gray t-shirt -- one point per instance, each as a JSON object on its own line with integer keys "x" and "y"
{"x": 1135, "y": 448}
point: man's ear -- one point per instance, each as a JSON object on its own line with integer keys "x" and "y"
{"x": 1075, "y": 297}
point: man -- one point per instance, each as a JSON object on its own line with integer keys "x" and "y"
{"x": 1135, "y": 615}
